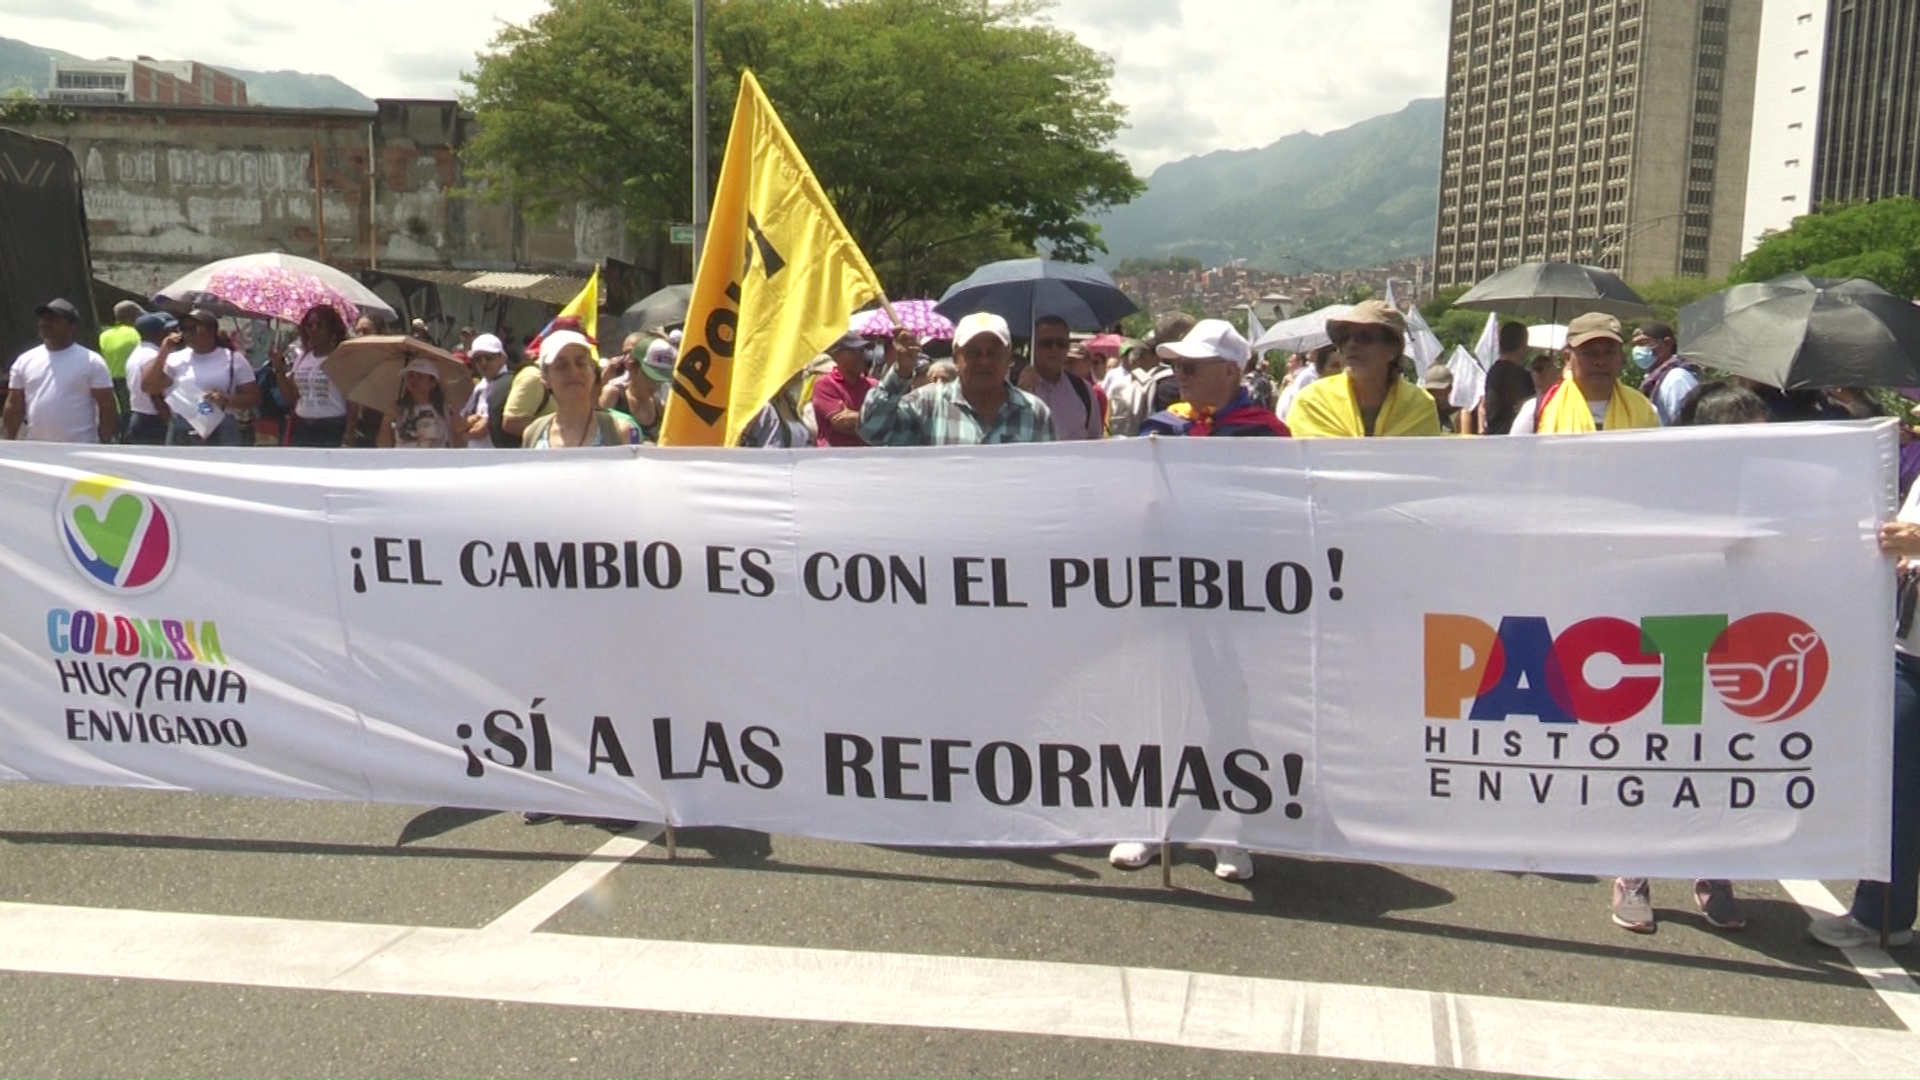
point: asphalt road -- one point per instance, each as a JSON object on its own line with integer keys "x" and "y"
{"x": 1498, "y": 940}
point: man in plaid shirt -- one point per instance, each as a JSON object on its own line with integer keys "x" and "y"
{"x": 980, "y": 407}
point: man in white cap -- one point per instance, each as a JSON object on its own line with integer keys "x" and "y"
{"x": 488, "y": 355}
{"x": 980, "y": 407}
{"x": 1214, "y": 399}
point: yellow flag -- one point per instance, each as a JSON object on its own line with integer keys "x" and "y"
{"x": 586, "y": 307}
{"x": 779, "y": 278}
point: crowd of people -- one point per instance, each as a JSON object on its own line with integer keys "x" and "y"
{"x": 179, "y": 381}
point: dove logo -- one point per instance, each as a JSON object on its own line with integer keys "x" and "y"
{"x": 1766, "y": 667}
{"x": 118, "y": 539}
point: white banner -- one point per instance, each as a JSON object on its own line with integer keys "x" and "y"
{"x": 1660, "y": 653}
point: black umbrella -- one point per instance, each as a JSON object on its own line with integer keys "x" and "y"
{"x": 1555, "y": 291}
{"x": 657, "y": 310}
{"x": 1022, "y": 290}
{"x": 1797, "y": 332}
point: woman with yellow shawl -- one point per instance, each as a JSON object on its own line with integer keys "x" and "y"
{"x": 1369, "y": 398}
{"x": 1591, "y": 397}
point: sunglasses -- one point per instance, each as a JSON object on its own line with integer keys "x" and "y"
{"x": 1366, "y": 337}
{"x": 1053, "y": 342}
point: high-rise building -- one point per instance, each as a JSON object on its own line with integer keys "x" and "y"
{"x": 1610, "y": 132}
{"x": 146, "y": 81}
{"x": 1869, "y": 144}
{"x": 1786, "y": 116}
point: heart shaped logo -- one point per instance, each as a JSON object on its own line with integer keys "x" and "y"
{"x": 1803, "y": 643}
{"x": 120, "y": 539}
{"x": 110, "y": 538}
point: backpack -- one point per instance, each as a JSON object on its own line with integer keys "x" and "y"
{"x": 1086, "y": 397}
{"x": 497, "y": 392}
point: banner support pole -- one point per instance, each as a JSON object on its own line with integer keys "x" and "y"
{"x": 673, "y": 843}
{"x": 1166, "y": 864}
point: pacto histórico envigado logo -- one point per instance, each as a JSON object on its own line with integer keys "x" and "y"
{"x": 121, "y": 540}
{"x": 1766, "y": 667}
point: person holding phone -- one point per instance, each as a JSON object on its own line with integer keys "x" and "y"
{"x": 223, "y": 380}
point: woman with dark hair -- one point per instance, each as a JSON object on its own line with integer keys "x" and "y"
{"x": 321, "y": 415}
{"x": 1721, "y": 403}
{"x": 420, "y": 420}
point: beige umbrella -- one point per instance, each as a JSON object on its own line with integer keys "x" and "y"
{"x": 367, "y": 370}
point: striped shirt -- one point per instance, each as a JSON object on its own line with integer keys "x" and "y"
{"x": 895, "y": 414}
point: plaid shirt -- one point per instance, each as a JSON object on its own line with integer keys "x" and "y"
{"x": 895, "y": 414}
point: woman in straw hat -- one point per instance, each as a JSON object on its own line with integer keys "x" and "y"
{"x": 1369, "y": 398}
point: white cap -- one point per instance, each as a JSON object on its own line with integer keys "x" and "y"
{"x": 487, "y": 343}
{"x": 420, "y": 365}
{"x": 981, "y": 322}
{"x": 551, "y": 345}
{"x": 1210, "y": 339}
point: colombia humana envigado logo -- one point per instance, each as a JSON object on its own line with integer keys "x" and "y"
{"x": 121, "y": 540}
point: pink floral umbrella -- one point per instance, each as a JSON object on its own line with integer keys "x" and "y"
{"x": 272, "y": 285}
{"x": 917, "y": 315}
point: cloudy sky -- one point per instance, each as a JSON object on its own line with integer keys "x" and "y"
{"x": 1195, "y": 75}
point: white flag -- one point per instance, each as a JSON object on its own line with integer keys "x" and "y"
{"x": 1422, "y": 343}
{"x": 1254, "y": 329}
{"x": 1487, "y": 349}
{"x": 1469, "y": 379}
{"x": 1391, "y": 302}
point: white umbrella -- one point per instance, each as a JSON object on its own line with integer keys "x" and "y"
{"x": 1302, "y": 333}
{"x": 1547, "y": 336}
{"x": 273, "y": 285}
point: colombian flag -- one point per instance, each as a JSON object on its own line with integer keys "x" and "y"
{"x": 584, "y": 309}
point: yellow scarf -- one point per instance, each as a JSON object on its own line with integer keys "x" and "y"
{"x": 1568, "y": 414}
{"x": 1327, "y": 408}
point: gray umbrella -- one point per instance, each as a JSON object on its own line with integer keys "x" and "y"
{"x": 1796, "y": 332}
{"x": 1022, "y": 290}
{"x": 657, "y": 311}
{"x": 1555, "y": 291}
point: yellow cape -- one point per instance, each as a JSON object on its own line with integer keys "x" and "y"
{"x": 1568, "y": 414}
{"x": 1327, "y": 408}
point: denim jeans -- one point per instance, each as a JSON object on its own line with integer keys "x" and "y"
{"x": 227, "y": 434}
{"x": 1872, "y": 899}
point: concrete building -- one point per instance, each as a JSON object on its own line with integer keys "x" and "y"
{"x": 169, "y": 188}
{"x": 1611, "y": 132}
{"x": 1869, "y": 142}
{"x": 1786, "y": 116}
{"x": 144, "y": 81}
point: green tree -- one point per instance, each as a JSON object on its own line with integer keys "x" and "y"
{"x": 944, "y": 132}
{"x": 1666, "y": 296}
{"x": 1879, "y": 241}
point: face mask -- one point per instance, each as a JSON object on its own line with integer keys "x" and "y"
{"x": 1643, "y": 356}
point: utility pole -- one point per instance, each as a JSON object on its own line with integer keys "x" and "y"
{"x": 699, "y": 131}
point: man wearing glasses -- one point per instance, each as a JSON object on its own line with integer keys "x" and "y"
{"x": 1076, "y": 415}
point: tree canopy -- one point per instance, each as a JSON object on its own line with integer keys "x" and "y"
{"x": 945, "y": 134}
{"x": 1879, "y": 241}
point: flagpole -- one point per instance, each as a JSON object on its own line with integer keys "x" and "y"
{"x": 699, "y": 132}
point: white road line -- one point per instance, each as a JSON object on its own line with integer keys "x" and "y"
{"x": 552, "y": 898}
{"x": 1217, "y": 1012}
{"x": 1887, "y": 978}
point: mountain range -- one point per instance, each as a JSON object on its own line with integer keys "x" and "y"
{"x": 1361, "y": 196}
{"x": 28, "y": 66}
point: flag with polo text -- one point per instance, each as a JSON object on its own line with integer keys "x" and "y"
{"x": 779, "y": 278}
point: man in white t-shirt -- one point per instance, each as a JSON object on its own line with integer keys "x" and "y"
{"x": 489, "y": 359}
{"x": 60, "y": 391}
{"x": 221, "y": 379}
{"x": 147, "y": 418}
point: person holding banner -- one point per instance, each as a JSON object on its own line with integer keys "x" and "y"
{"x": 1892, "y": 905}
{"x": 1369, "y": 398}
{"x": 981, "y": 407}
{"x": 572, "y": 379}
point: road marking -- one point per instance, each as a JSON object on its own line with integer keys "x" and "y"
{"x": 552, "y": 898}
{"x": 1217, "y": 1012}
{"x": 1896, "y": 988}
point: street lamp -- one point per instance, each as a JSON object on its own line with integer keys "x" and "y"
{"x": 1600, "y": 248}
{"x": 699, "y": 132}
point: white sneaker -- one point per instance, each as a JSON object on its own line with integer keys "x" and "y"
{"x": 1232, "y": 864}
{"x": 1842, "y": 932}
{"x": 1131, "y": 856}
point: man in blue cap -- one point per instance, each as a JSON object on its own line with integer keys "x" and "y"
{"x": 147, "y": 415}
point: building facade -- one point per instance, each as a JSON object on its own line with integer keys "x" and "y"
{"x": 145, "y": 81}
{"x": 1869, "y": 139}
{"x": 1786, "y": 116}
{"x": 1608, "y": 132}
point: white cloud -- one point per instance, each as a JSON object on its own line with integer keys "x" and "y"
{"x": 1195, "y": 75}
